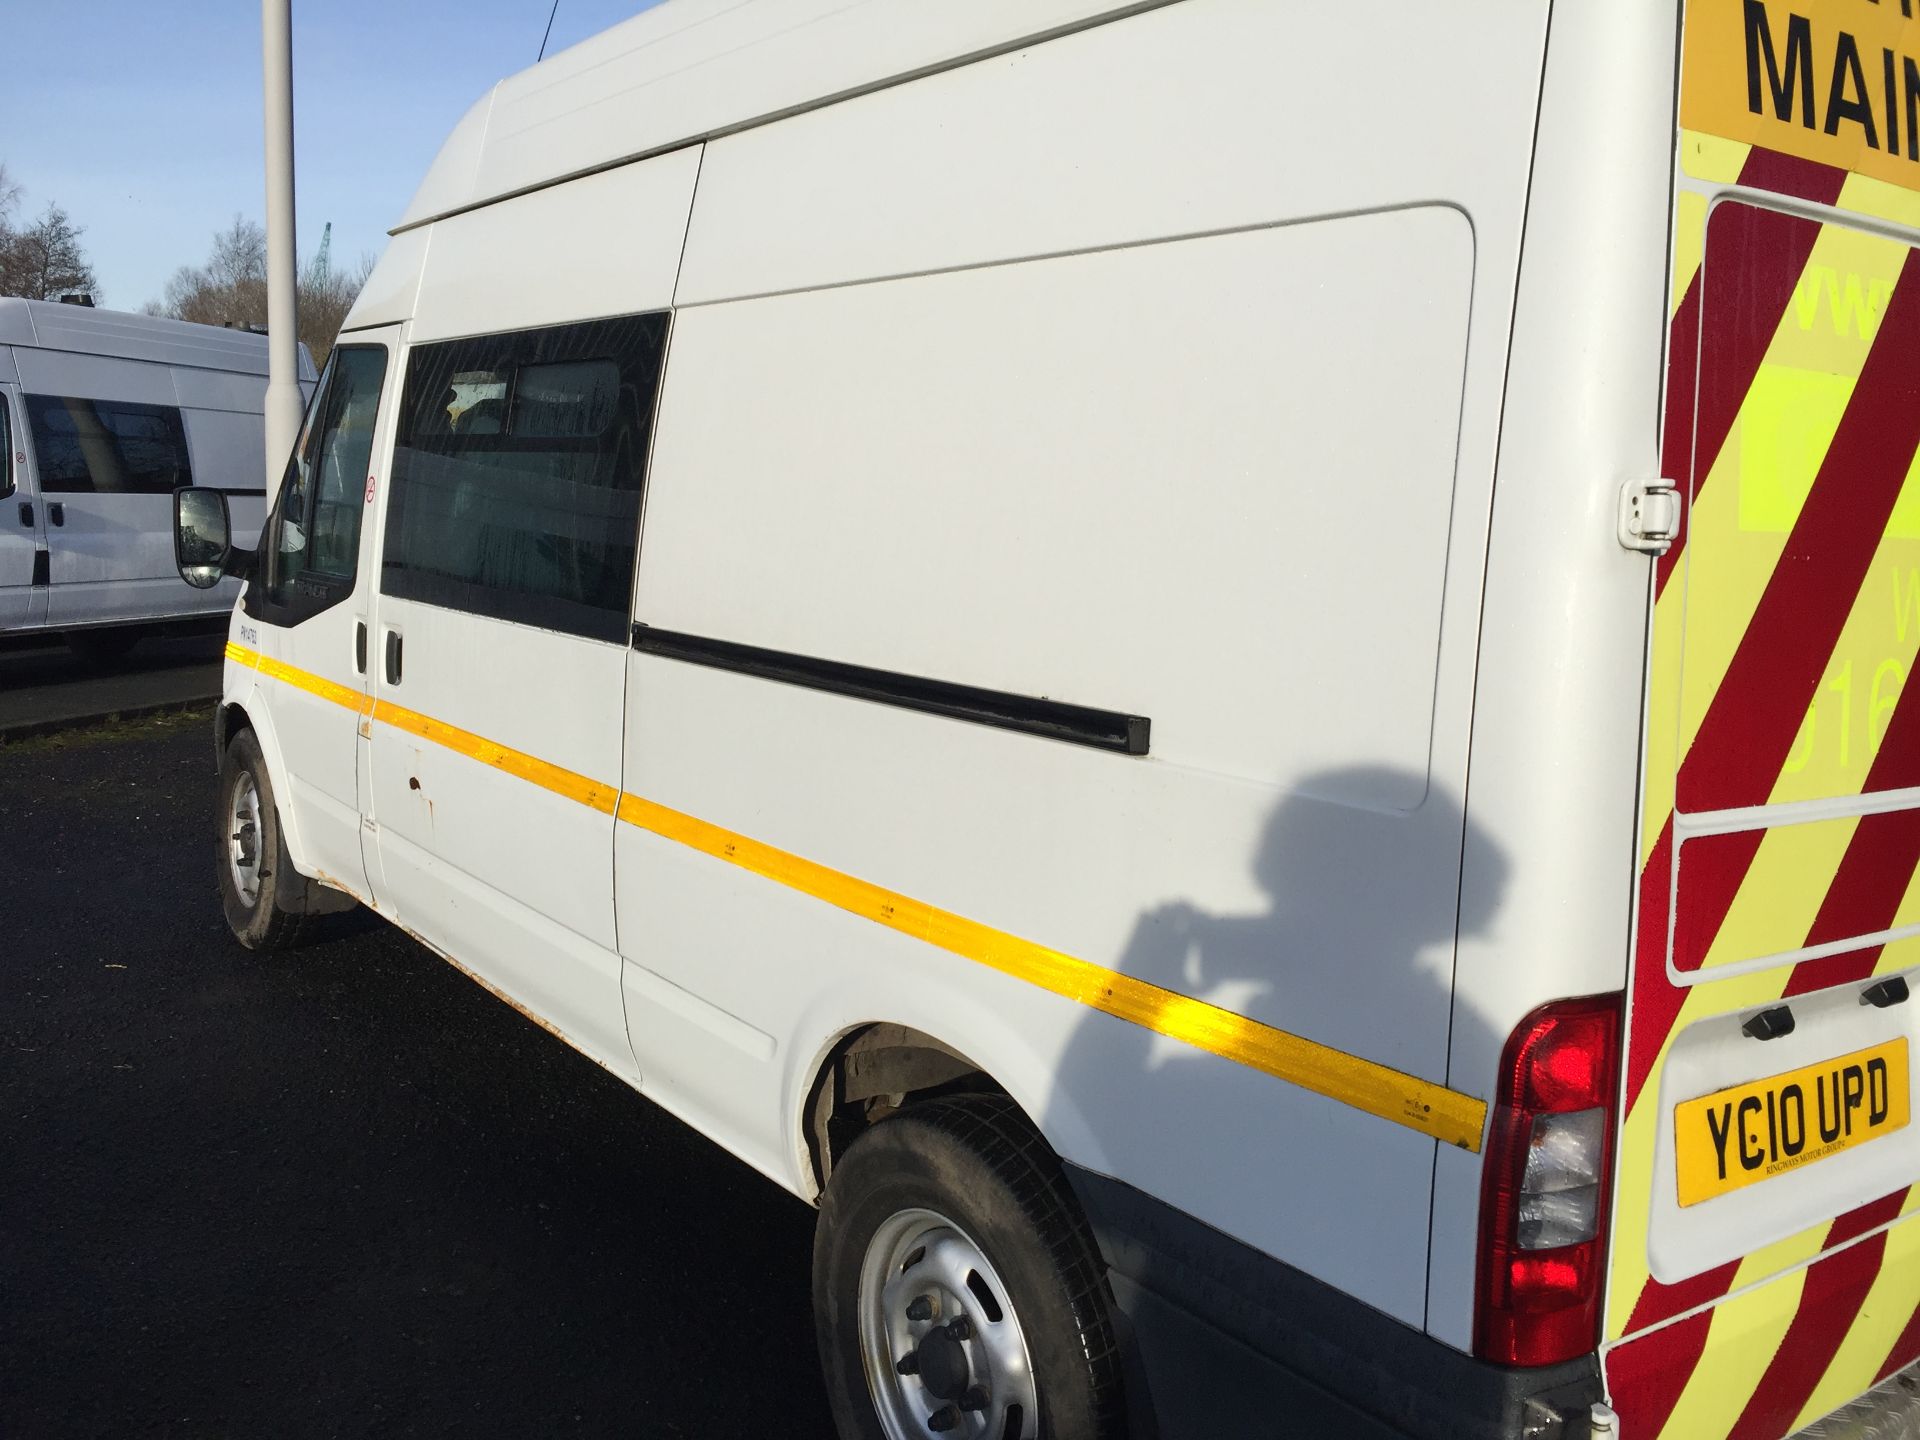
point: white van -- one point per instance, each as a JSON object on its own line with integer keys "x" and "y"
{"x": 1232, "y": 673}
{"x": 102, "y": 416}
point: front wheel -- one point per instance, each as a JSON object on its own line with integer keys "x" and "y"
{"x": 956, "y": 1289}
{"x": 259, "y": 887}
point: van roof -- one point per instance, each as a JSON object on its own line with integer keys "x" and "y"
{"x": 690, "y": 69}
{"x": 50, "y": 325}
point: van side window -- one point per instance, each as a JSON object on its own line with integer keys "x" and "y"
{"x": 108, "y": 446}
{"x": 6, "y": 448}
{"x": 517, "y": 474}
{"x": 312, "y": 546}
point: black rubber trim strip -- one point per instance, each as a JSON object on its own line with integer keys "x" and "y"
{"x": 1053, "y": 719}
{"x": 259, "y": 494}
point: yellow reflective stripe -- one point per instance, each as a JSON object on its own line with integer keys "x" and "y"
{"x": 558, "y": 779}
{"x": 343, "y": 695}
{"x": 1392, "y": 1095}
{"x": 1420, "y": 1105}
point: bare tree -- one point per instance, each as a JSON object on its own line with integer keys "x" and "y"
{"x": 325, "y": 298}
{"x": 9, "y": 202}
{"x": 44, "y": 260}
{"x": 231, "y": 289}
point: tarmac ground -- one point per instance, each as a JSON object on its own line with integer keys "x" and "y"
{"x": 340, "y": 1192}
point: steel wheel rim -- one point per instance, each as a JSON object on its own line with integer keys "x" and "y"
{"x": 922, "y": 1277}
{"x": 243, "y": 840}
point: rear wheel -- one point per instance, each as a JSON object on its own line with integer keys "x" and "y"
{"x": 956, "y": 1289}
{"x": 258, "y": 885}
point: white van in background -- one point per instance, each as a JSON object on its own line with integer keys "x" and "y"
{"x": 103, "y": 415}
{"x": 1234, "y": 674}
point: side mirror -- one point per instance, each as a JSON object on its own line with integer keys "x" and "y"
{"x": 202, "y": 536}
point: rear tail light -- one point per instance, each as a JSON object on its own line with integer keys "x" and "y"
{"x": 1543, "y": 1198}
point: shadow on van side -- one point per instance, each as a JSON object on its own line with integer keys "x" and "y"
{"x": 1359, "y": 922}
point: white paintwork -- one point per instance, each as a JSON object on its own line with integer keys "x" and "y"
{"x": 1075, "y": 145}
{"x": 326, "y": 774}
{"x": 1559, "y": 706}
{"x": 568, "y": 262}
{"x": 110, "y": 557}
{"x": 393, "y": 286}
{"x": 1161, "y": 366}
{"x": 21, "y": 602}
{"x": 510, "y": 878}
{"x": 1053, "y": 574}
{"x": 692, "y": 68}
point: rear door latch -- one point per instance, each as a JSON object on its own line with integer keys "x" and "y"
{"x": 1649, "y": 515}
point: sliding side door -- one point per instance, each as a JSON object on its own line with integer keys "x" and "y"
{"x": 500, "y": 658}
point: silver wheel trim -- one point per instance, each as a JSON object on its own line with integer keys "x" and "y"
{"x": 244, "y": 839}
{"x": 920, "y": 1254}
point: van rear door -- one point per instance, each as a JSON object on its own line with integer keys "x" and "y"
{"x": 1766, "y": 1250}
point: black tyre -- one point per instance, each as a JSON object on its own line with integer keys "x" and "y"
{"x": 103, "y": 647}
{"x": 956, "y": 1289}
{"x": 263, "y": 894}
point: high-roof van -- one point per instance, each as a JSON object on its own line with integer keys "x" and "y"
{"x": 102, "y": 416}
{"x": 1232, "y": 674}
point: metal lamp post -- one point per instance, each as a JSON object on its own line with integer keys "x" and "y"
{"x": 284, "y": 404}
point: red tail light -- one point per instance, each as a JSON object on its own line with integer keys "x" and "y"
{"x": 1543, "y": 1198}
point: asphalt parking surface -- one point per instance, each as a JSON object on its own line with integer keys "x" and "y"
{"x": 342, "y": 1192}
{"x": 45, "y": 686}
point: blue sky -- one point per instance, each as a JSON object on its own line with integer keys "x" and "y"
{"x": 142, "y": 119}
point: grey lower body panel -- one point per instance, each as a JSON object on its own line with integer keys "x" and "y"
{"x": 1889, "y": 1411}
{"x": 1227, "y": 1341}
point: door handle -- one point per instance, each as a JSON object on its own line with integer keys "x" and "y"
{"x": 26, "y": 513}
{"x": 360, "y": 647}
{"x": 393, "y": 657}
{"x": 56, "y": 513}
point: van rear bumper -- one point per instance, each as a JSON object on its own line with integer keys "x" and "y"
{"x": 1889, "y": 1411}
{"x": 1229, "y": 1341}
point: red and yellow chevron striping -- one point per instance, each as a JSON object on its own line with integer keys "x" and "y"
{"x": 1780, "y": 653}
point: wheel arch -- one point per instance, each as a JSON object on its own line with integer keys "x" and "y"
{"x": 870, "y": 1069}
{"x": 239, "y": 711}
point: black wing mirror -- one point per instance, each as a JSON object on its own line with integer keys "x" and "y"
{"x": 203, "y": 537}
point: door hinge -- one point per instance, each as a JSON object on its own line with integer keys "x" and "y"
{"x": 1649, "y": 515}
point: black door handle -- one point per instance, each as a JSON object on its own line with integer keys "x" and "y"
{"x": 393, "y": 657}
{"x": 56, "y": 513}
{"x": 26, "y": 513}
{"x": 360, "y": 646}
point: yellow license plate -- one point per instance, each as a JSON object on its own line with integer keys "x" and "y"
{"x": 1752, "y": 1132}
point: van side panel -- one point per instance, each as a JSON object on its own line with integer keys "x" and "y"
{"x": 679, "y": 73}
{"x": 1106, "y": 479}
{"x": 1091, "y": 141}
{"x": 111, "y": 554}
{"x": 1185, "y": 480}
{"x": 606, "y": 244}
